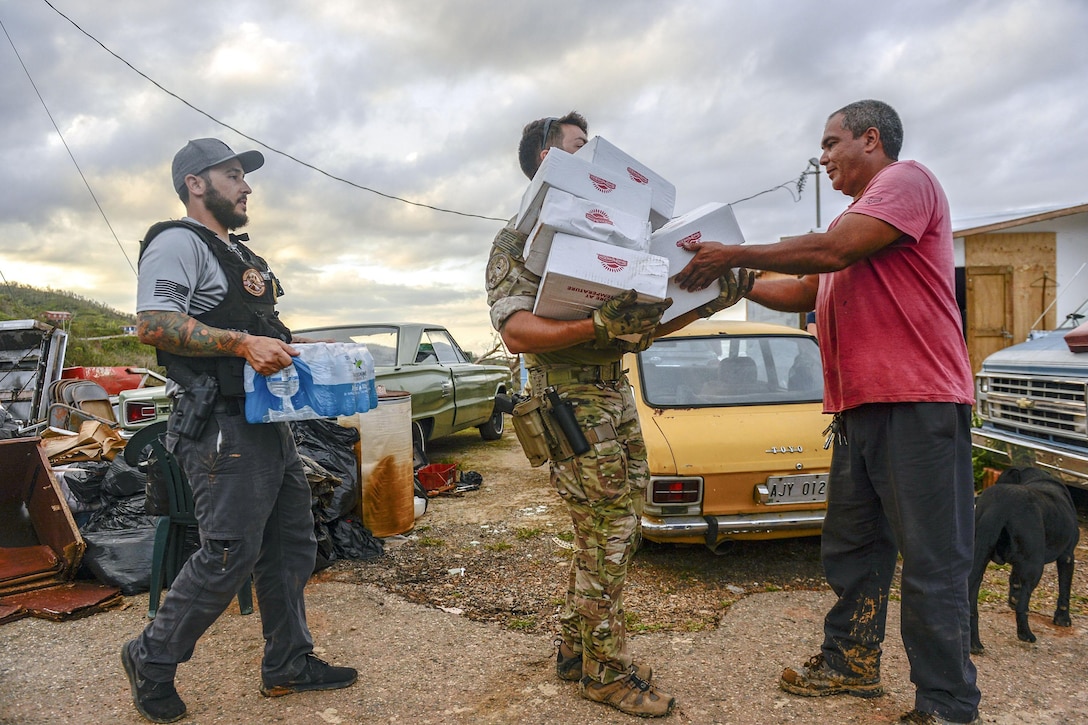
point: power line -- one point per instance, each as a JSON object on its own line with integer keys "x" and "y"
{"x": 258, "y": 141}
{"x": 799, "y": 183}
{"x": 66, "y": 148}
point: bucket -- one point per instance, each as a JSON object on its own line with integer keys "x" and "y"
{"x": 385, "y": 464}
{"x": 437, "y": 477}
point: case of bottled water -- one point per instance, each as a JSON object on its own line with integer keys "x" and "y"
{"x": 326, "y": 380}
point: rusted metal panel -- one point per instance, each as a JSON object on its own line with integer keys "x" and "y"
{"x": 36, "y": 524}
{"x": 60, "y": 601}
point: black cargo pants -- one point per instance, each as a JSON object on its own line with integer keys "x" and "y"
{"x": 252, "y": 504}
{"x": 903, "y": 484}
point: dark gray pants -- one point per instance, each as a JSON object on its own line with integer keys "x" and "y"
{"x": 903, "y": 483}
{"x": 252, "y": 504}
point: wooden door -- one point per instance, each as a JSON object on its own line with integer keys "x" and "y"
{"x": 989, "y": 312}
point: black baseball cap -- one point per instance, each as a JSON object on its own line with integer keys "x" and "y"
{"x": 204, "y": 153}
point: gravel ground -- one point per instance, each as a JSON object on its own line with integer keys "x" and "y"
{"x": 454, "y": 625}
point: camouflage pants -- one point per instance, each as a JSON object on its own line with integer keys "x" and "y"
{"x": 604, "y": 490}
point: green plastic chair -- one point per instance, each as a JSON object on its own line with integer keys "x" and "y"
{"x": 169, "y": 553}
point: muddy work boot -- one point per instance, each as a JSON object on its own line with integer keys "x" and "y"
{"x": 632, "y": 695}
{"x": 568, "y": 664}
{"x": 156, "y": 701}
{"x": 317, "y": 674}
{"x": 817, "y": 679}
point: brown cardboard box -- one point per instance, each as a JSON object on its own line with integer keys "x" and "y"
{"x": 608, "y": 156}
{"x": 580, "y": 275}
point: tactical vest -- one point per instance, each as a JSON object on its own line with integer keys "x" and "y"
{"x": 249, "y": 306}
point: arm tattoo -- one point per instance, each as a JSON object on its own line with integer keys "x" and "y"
{"x": 181, "y": 334}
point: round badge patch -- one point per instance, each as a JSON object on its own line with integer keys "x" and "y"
{"x": 253, "y": 281}
{"x": 497, "y": 269}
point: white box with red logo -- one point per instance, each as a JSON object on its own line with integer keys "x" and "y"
{"x": 712, "y": 222}
{"x": 579, "y": 177}
{"x": 568, "y": 214}
{"x": 581, "y": 275}
{"x": 608, "y": 156}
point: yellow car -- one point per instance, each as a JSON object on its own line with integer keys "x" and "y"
{"x": 732, "y": 416}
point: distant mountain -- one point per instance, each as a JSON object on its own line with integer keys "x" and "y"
{"x": 96, "y": 331}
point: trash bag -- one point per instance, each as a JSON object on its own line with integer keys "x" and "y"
{"x": 156, "y": 490}
{"x": 323, "y": 485}
{"x": 326, "y": 553}
{"x": 123, "y": 480}
{"x": 81, "y": 484}
{"x": 121, "y": 557}
{"x": 332, "y": 446}
{"x": 470, "y": 481}
{"x": 352, "y": 540}
{"x": 119, "y": 514}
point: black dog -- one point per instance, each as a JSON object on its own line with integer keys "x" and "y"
{"x": 1027, "y": 518}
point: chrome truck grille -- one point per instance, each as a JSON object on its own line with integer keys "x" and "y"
{"x": 1051, "y": 409}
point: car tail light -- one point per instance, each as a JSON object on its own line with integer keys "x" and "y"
{"x": 675, "y": 490}
{"x": 137, "y": 411}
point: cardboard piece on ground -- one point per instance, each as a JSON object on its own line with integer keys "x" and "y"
{"x": 581, "y": 275}
{"x": 712, "y": 222}
{"x": 602, "y": 153}
{"x": 568, "y": 214}
{"x": 35, "y": 522}
{"x": 95, "y": 441}
{"x": 576, "y": 176}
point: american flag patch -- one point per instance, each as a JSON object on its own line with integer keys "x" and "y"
{"x": 171, "y": 290}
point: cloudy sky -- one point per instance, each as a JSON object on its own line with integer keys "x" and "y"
{"x": 425, "y": 100}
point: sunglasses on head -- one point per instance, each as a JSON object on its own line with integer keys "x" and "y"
{"x": 547, "y": 129}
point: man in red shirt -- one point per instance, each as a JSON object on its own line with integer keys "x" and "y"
{"x": 898, "y": 380}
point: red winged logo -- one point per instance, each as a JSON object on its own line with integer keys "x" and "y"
{"x": 636, "y": 176}
{"x": 689, "y": 238}
{"x": 603, "y": 185}
{"x": 612, "y": 264}
{"x": 599, "y": 216}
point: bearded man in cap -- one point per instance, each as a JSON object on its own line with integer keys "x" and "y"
{"x": 207, "y": 303}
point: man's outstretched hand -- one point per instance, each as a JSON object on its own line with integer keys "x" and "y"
{"x": 711, "y": 261}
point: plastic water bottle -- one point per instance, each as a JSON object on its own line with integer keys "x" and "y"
{"x": 359, "y": 376}
{"x": 284, "y": 384}
{"x": 371, "y": 383}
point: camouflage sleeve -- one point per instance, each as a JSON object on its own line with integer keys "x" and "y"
{"x": 510, "y": 287}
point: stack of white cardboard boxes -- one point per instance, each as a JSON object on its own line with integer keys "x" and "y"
{"x": 599, "y": 223}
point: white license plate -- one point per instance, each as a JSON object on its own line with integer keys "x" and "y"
{"x": 803, "y": 488}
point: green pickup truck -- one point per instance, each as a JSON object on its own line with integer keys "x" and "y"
{"x": 449, "y": 393}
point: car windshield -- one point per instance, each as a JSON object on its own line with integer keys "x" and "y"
{"x": 723, "y": 370}
{"x": 380, "y": 341}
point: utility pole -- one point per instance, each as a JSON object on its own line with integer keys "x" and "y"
{"x": 815, "y": 164}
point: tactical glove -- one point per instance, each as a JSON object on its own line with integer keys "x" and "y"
{"x": 622, "y": 322}
{"x": 631, "y": 344}
{"x": 735, "y": 285}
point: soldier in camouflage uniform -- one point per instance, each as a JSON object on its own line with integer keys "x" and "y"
{"x": 604, "y": 488}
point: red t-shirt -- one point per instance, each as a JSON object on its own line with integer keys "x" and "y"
{"x": 889, "y": 326}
